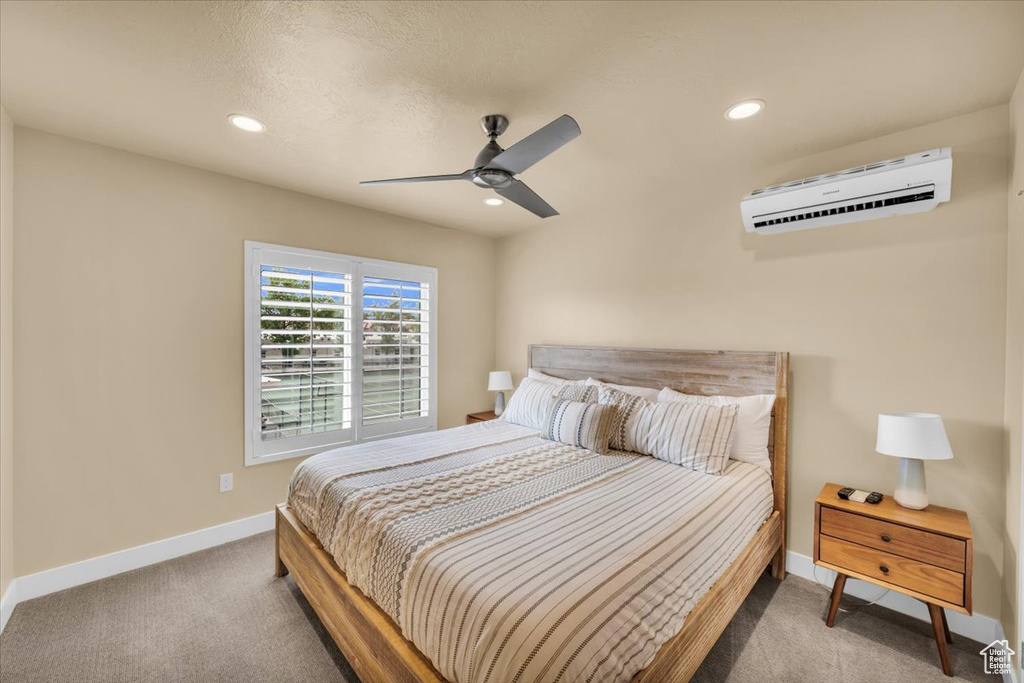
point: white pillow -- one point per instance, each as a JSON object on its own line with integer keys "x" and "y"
{"x": 643, "y": 392}
{"x": 754, "y": 419}
{"x": 550, "y": 379}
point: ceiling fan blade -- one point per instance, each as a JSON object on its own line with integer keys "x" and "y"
{"x": 522, "y": 195}
{"x": 468, "y": 175}
{"x": 537, "y": 145}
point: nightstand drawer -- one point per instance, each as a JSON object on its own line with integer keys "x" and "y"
{"x": 901, "y": 571}
{"x": 932, "y": 548}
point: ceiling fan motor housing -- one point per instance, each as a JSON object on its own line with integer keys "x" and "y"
{"x": 493, "y": 125}
{"x": 490, "y": 150}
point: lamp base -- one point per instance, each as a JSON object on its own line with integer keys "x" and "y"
{"x": 910, "y": 486}
{"x": 499, "y": 403}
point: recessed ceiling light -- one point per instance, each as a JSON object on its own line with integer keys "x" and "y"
{"x": 494, "y": 201}
{"x": 246, "y": 123}
{"x": 744, "y": 109}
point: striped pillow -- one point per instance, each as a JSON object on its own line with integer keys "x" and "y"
{"x": 694, "y": 435}
{"x": 626, "y": 405}
{"x": 580, "y": 424}
{"x": 531, "y": 402}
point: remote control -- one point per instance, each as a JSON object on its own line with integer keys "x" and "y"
{"x": 847, "y": 493}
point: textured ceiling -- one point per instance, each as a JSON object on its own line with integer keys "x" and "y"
{"x": 356, "y": 91}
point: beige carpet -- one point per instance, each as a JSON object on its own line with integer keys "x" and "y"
{"x": 221, "y": 616}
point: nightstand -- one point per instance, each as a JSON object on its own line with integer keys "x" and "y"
{"x": 480, "y": 417}
{"x": 926, "y": 554}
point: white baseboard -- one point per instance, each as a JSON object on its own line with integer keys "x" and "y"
{"x": 978, "y": 627}
{"x": 7, "y": 603}
{"x": 60, "y": 578}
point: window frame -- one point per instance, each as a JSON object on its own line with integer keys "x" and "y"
{"x": 358, "y": 268}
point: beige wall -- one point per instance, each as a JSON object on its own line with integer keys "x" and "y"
{"x": 906, "y": 313}
{"x": 1012, "y": 411}
{"x": 6, "y": 359}
{"x": 128, "y": 325}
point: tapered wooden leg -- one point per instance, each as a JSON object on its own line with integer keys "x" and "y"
{"x": 945, "y": 625}
{"x": 940, "y": 637}
{"x": 837, "y": 593}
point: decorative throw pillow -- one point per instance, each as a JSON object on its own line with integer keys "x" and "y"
{"x": 530, "y": 403}
{"x": 753, "y": 420}
{"x": 626, "y": 404}
{"x": 577, "y": 392}
{"x": 695, "y": 435}
{"x": 580, "y": 424}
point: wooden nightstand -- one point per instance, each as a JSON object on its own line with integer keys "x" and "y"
{"x": 926, "y": 554}
{"x": 480, "y": 417}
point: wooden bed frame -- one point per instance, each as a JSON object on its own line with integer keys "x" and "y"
{"x": 372, "y": 642}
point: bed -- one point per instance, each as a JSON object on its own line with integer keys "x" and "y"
{"x": 484, "y": 553}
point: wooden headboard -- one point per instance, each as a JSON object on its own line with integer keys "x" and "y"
{"x": 722, "y": 373}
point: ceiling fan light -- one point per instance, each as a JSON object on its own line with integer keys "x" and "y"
{"x": 493, "y": 178}
{"x": 494, "y": 201}
{"x": 744, "y": 109}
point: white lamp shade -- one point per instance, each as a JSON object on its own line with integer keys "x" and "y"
{"x": 500, "y": 380}
{"x": 913, "y": 435}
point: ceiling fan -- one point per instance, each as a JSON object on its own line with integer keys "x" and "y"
{"x": 495, "y": 168}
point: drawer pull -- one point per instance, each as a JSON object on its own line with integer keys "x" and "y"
{"x": 886, "y": 537}
{"x": 882, "y": 568}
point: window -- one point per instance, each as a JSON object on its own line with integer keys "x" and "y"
{"x": 338, "y": 350}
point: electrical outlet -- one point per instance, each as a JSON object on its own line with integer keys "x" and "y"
{"x": 227, "y": 482}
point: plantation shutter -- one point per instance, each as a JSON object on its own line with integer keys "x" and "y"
{"x": 338, "y": 350}
{"x": 396, "y": 353}
{"x": 300, "y": 319}
{"x": 305, "y": 351}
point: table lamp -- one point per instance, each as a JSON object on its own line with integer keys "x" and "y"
{"x": 913, "y": 438}
{"x": 499, "y": 381}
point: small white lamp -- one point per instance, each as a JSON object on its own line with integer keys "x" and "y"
{"x": 912, "y": 437}
{"x": 499, "y": 381}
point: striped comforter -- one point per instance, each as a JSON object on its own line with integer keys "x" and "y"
{"x": 505, "y": 557}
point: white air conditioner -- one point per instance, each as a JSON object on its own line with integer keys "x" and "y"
{"x": 910, "y": 184}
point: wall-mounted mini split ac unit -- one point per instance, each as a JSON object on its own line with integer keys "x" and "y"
{"x": 910, "y": 184}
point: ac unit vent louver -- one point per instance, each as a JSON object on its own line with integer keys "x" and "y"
{"x": 909, "y": 184}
